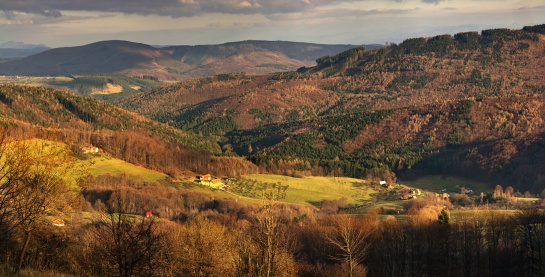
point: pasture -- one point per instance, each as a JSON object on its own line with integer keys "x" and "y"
{"x": 102, "y": 164}
{"x": 312, "y": 190}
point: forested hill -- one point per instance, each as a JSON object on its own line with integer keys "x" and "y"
{"x": 417, "y": 72}
{"x": 35, "y": 112}
{"x": 468, "y": 104}
{"x": 173, "y": 62}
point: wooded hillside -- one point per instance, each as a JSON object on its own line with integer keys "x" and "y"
{"x": 422, "y": 104}
{"x": 34, "y": 112}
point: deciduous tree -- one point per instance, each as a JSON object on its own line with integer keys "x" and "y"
{"x": 351, "y": 239}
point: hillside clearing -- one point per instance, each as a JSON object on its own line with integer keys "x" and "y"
{"x": 104, "y": 164}
{"x": 93, "y": 165}
{"x": 313, "y": 190}
{"x": 108, "y": 89}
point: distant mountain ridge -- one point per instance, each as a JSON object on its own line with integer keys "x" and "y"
{"x": 21, "y": 45}
{"x": 173, "y": 62}
{"x": 17, "y": 49}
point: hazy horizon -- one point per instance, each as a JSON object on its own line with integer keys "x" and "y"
{"x": 59, "y": 23}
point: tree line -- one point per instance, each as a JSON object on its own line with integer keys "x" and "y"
{"x": 107, "y": 231}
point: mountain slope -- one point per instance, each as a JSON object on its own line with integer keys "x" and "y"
{"x": 101, "y": 57}
{"x": 35, "y": 112}
{"x": 173, "y": 62}
{"x": 468, "y": 104}
{"x": 417, "y": 72}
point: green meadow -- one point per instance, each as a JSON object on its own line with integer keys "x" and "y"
{"x": 102, "y": 164}
{"x": 73, "y": 169}
{"x": 312, "y": 190}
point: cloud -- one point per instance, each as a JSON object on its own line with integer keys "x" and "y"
{"x": 14, "y": 18}
{"x": 436, "y": 2}
{"x": 341, "y": 14}
{"x": 173, "y": 8}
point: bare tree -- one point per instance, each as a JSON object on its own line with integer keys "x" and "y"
{"x": 268, "y": 225}
{"x": 43, "y": 189}
{"x": 262, "y": 245}
{"x": 202, "y": 247}
{"x": 14, "y": 166}
{"x": 31, "y": 186}
{"x": 128, "y": 245}
{"x": 351, "y": 239}
{"x": 36, "y": 198}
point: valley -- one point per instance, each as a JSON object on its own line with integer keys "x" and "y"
{"x": 423, "y": 157}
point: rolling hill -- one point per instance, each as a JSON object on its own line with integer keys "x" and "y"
{"x": 172, "y": 62}
{"x": 468, "y": 104}
{"x": 37, "y": 112}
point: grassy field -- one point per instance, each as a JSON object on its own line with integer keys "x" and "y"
{"x": 102, "y": 87}
{"x": 103, "y": 164}
{"x": 398, "y": 205}
{"x": 471, "y": 213}
{"x": 34, "y": 80}
{"x": 527, "y": 199}
{"x": 312, "y": 190}
{"x": 66, "y": 164}
{"x": 436, "y": 183}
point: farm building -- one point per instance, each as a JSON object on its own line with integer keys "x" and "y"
{"x": 57, "y": 222}
{"x": 90, "y": 150}
{"x": 206, "y": 178}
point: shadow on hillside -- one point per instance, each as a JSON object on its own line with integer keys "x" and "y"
{"x": 518, "y": 161}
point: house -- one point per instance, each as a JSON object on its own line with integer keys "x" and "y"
{"x": 383, "y": 184}
{"x": 406, "y": 196}
{"x": 89, "y": 150}
{"x": 57, "y": 222}
{"x": 206, "y": 178}
{"x": 149, "y": 214}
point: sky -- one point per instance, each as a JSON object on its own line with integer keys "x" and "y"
{"x": 60, "y": 23}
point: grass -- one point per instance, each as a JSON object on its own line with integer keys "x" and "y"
{"x": 527, "y": 199}
{"x": 104, "y": 87}
{"x": 220, "y": 194}
{"x": 436, "y": 183}
{"x": 470, "y": 213}
{"x": 102, "y": 164}
{"x": 61, "y": 161}
{"x": 312, "y": 190}
{"x": 58, "y": 82}
{"x": 398, "y": 205}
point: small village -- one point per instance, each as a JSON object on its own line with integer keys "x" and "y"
{"x": 209, "y": 181}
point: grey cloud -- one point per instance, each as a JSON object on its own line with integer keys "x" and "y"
{"x": 343, "y": 13}
{"x": 10, "y": 15}
{"x": 173, "y": 8}
{"x": 47, "y": 13}
{"x": 432, "y": 1}
{"x": 13, "y": 18}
